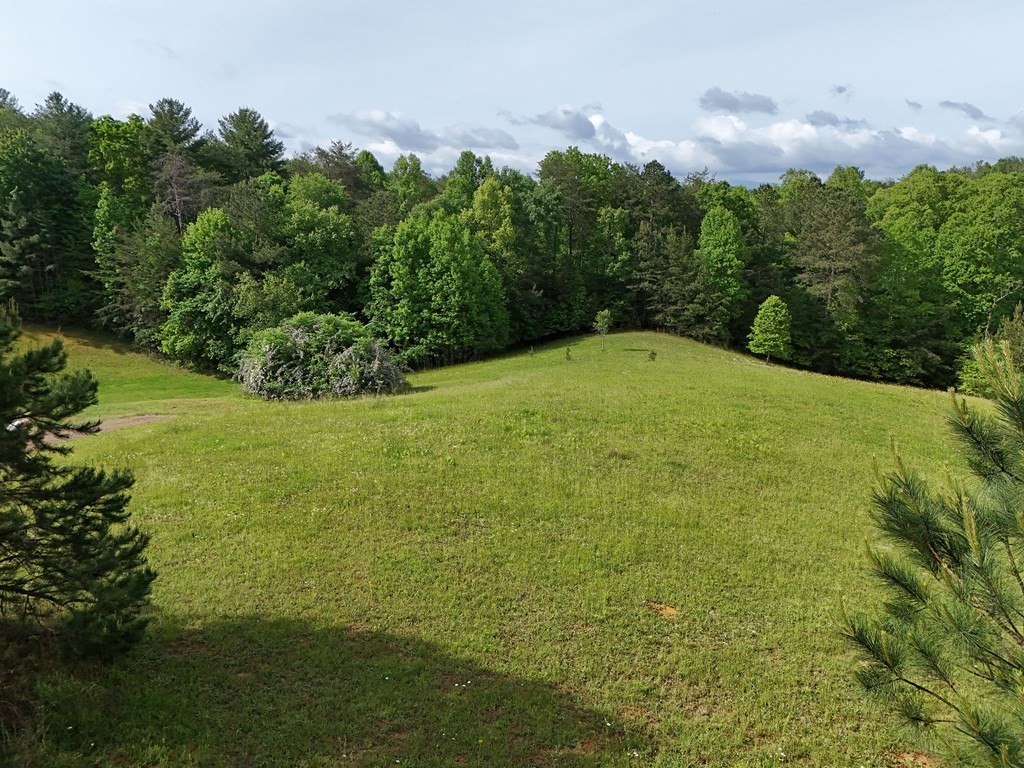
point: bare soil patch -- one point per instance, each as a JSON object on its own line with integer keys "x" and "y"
{"x": 665, "y": 611}
{"x": 111, "y": 424}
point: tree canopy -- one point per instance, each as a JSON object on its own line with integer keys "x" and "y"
{"x": 191, "y": 240}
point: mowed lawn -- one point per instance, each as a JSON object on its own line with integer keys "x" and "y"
{"x": 530, "y": 561}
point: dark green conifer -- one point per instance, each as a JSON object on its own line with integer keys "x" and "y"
{"x": 946, "y": 649}
{"x": 68, "y": 558}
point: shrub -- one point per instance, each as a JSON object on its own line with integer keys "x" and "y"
{"x": 312, "y": 356}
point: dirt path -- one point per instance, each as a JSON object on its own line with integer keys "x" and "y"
{"x": 110, "y": 424}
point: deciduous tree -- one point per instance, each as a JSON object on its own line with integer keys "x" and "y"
{"x": 770, "y": 334}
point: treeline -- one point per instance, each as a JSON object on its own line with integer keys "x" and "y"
{"x": 191, "y": 242}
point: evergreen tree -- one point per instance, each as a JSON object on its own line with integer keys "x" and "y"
{"x": 946, "y": 650}
{"x": 247, "y": 146}
{"x": 172, "y": 128}
{"x": 66, "y": 551}
{"x": 770, "y": 332}
{"x": 45, "y": 259}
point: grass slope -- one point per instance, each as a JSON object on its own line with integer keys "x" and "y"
{"x": 599, "y": 561}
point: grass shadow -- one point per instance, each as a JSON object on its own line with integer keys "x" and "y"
{"x": 86, "y": 337}
{"x": 247, "y": 692}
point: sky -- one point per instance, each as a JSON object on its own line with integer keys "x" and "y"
{"x": 743, "y": 88}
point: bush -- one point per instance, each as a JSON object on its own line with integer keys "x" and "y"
{"x": 312, "y": 356}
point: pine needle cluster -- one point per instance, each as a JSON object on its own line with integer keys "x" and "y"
{"x": 946, "y": 650}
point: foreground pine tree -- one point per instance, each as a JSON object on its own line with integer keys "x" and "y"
{"x": 68, "y": 560}
{"x": 946, "y": 650}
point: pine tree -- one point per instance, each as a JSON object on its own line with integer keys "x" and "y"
{"x": 68, "y": 558}
{"x": 770, "y": 334}
{"x": 946, "y": 650}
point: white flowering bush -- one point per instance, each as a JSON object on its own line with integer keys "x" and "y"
{"x": 312, "y": 356}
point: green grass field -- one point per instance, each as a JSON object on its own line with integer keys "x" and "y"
{"x": 531, "y": 561}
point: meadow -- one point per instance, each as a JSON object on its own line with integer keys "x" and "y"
{"x": 546, "y": 559}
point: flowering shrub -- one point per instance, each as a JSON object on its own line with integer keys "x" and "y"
{"x": 312, "y": 356}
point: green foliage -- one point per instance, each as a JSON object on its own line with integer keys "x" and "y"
{"x": 273, "y": 249}
{"x": 435, "y": 294}
{"x": 134, "y": 268}
{"x": 62, "y": 129}
{"x": 45, "y": 260}
{"x": 409, "y": 184}
{"x": 716, "y": 296}
{"x": 770, "y": 334}
{"x": 171, "y": 128}
{"x": 247, "y": 147}
{"x": 68, "y": 559}
{"x": 946, "y": 651}
{"x": 981, "y": 247}
{"x": 1009, "y": 337}
{"x": 198, "y": 297}
{"x": 313, "y": 356}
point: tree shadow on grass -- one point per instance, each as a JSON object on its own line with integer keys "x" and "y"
{"x": 246, "y": 692}
{"x": 421, "y": 388}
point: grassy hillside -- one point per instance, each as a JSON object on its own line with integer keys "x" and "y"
{"x": 599, "y": 561}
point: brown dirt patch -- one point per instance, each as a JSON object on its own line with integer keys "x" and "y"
{"x": 109, "y": 425}
{"x": 914, "y": 760}
{"x": 665, "y": 611}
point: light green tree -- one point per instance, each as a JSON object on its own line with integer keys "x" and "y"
{"x": 718, "y": 293}
{"x": 435, "y": 294}
{"x": 770, "y": 334}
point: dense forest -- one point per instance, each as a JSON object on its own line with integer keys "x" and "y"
{"x": 190, "y": 241}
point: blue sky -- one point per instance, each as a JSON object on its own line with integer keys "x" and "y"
{"x": 745, "y": 88}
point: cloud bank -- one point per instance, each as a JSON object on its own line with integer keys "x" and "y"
{"x": 406, "y": 133}
{"x": 734, "y": 146}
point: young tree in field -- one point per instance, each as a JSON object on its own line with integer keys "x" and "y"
{"x": 66, "y": 551}
{"x": 946, "y": 648}
{"x": 602, "y": 324}
{"x": 770, "y": 332}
